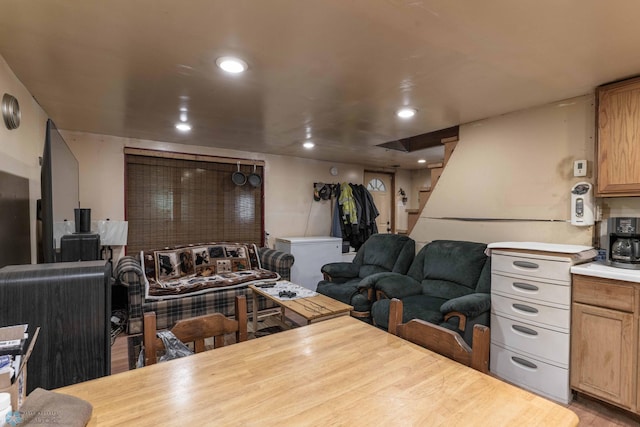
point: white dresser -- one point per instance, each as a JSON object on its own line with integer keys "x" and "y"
{"x": 531, "y": 314}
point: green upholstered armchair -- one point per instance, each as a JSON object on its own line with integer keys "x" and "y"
{"x": 448, "y": 284}
{"x": 380, "y": 253}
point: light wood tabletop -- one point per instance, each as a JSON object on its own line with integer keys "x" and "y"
{"x": 312, "y": 309}
{"x": 338, "y": 372}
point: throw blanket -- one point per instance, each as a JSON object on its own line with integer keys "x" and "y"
{"x": 193, "y": 269}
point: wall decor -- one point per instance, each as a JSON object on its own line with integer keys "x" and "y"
{"x": 10, "y": 111}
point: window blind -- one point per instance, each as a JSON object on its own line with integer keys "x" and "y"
{"x": 173, "y": 201}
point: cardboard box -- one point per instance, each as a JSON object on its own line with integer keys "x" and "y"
{"x": 17, "y": 386}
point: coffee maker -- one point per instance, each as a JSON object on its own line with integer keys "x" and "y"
{"x": 624, "y": 242}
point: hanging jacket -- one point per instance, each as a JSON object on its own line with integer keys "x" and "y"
{"x": 349, "y": 214}
{"x": 372, "y": 212}
{"x": 336, "y": 223}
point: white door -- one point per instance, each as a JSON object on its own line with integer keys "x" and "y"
{"x": 380, "y": 185}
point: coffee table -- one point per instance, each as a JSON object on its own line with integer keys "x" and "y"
{"x": 312, "y": 309}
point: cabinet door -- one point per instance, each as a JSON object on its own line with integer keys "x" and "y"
{"x": 619, "y": 139}
{"x": 602, "y": 353}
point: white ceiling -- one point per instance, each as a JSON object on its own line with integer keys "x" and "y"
{"x": 333, "y": 69}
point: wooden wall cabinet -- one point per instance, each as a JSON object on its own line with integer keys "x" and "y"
{"x": 604, "y": 340}
{"x": 618, "y": 143}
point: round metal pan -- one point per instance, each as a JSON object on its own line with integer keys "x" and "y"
{"x": 238, "y": 177}
{"x": 254, "y": 179}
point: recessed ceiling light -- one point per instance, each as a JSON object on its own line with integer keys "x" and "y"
{"x": 308, "y": 145}
{"x": 231, "y": 64}
{"x": 183, "y": 127}
{"x": 406, "y": 113}
{"x": 422, "y": 161}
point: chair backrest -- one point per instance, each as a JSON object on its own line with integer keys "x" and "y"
{"x": 197, "y": 329}
{"x": 384, "y": 253}
{"x": 449, "y": 269}
{"x": 442, "y": 340}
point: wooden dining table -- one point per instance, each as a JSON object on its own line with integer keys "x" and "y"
{"x": 340, "y": 372}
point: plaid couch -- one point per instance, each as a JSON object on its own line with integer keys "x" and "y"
{"x": 129, "y": 273}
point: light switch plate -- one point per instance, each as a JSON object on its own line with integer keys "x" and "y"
{"x": 580, "y": 168}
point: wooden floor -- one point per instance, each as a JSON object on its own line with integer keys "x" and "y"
{"x": 592, "y": 413}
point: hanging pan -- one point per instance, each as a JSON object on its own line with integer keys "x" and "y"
{"x": 238, "y": 177}
{"x": 254, "y": 179}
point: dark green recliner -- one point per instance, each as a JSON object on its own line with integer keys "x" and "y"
{"x": 380, "y": 253}
{"x": 448, "y": 283}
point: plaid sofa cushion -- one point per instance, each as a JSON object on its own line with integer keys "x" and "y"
{"x": 129, "y": 273}
{"x": 277, "y": 261}
{"x": 168, "y": 312}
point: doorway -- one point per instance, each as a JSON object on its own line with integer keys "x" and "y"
{"x": 381, "y": 185}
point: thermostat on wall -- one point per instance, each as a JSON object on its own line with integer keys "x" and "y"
{"x": 580, "y": 168}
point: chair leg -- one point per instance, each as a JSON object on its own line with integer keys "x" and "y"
{"x": 241, "y": 317}
{"x": 395, "y": 315}
{"x": 149, "y": 338}
{"x": 481, "y": 346}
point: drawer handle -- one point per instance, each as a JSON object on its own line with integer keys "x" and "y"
{"x": 525, "y": 286}
{"x": 526, "y": 308}
{"x": 525, "y": 264}
{"x": 523, "y": 362}
{"x": 524, "y": 330}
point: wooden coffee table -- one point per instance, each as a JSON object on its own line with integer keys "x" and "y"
{"x": 312, "y": 309}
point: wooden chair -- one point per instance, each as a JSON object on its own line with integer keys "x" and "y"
{"x": 196, "y": 329}
{"x": 442, "y": 340}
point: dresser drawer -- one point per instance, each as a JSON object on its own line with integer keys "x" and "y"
{"x": 530, "y": 288}
{"x": 541, "y": 343}
{"x": 532, "y": 267}
{"x": 540, "y": 377}
{"x": 527, "y": 311}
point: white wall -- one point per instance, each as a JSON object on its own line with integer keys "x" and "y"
{"x": 21, "y": 148}
{"x": 620, "y": 206}
{"x": 289, "y": 206}
{"x": 404, "y": 181}
{"x": 420, "y": 178}
{"x": 513, "y": 167}
{"x": 518, "y": 166}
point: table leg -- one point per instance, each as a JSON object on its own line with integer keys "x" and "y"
{"x": 255, "y": 312}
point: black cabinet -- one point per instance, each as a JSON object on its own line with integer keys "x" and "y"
{"x": 71, "y": 303}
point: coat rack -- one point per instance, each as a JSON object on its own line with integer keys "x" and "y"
{"x": 324, "y": 191}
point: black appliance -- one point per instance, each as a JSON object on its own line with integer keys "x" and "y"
{"x": 80, "y": 247}
{"x": 624, "y": 242}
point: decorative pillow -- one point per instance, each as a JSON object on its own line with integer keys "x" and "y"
{"x": 173, "y": 272}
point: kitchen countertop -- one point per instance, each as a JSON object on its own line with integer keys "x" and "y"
{"x": 598, "y": 269}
